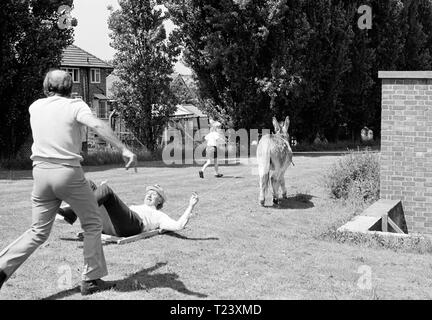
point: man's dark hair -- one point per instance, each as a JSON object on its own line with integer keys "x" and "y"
{"x": 159, "y": 206}
{"x": 57, "y": 82}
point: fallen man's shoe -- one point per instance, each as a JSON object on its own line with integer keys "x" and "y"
{"x": 66, "y": 215}
{"x": 122, "y": 240}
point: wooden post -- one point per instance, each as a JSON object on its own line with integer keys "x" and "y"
{"x": 395, "y": 226}
{"x": 384, "y": 222}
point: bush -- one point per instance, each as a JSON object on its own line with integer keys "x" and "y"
{"x": 355, "y": 178}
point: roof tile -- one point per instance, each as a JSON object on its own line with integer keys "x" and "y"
{"x": 74, "y": 56}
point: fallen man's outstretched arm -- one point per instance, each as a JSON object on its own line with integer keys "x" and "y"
{"x": 168, "y": 224}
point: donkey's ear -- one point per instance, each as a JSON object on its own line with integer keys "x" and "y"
{"x": 275, "y": 124}
{"x": 287, "y": 123}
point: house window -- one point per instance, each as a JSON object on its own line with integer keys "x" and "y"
{"x": 103, "y": 111}
{"x": 95, "y": 75}
{"x": 75, "y": 74}
{"x": 75, "y": 95}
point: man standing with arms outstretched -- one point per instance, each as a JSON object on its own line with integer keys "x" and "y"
{"x": 56, "y": 122}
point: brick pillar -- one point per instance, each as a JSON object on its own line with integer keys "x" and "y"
{"x": 406, "y": 145}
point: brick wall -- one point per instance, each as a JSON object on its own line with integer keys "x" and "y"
{"x": 85, "y": 88}
{"x": 406, "y": 145}
{"x": 98, "y": 87}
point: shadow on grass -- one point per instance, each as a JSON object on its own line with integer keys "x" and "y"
{"x": 72, "y": 239}
{"x": 179, "y": 236}
{"x": 141, "y": 280}
{"x": 63, "y": 294}
{"x": 104, "y": 243}
{"x": 317, "y": 154}
{"x": 171, "y": 234}
{"x": 299, "y": 201}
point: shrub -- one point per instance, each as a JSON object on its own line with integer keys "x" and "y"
{"x": 355, "y": 178}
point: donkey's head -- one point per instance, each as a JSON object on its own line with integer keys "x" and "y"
{"x": 281, "y": 128}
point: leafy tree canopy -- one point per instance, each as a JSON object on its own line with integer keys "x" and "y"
{"x": 30, "y": 44}
{"x": 144, "y": 63}
{"x": 304, "y": 58}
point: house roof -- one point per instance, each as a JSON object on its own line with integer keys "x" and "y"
{"x": 187, "y": 111}
{"x": 100, "y": 96}
{"x": 74, "y": 56}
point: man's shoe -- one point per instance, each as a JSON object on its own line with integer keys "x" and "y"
{"x": 93, "y": 286}
{"x": 201, "y": 174}
{"x": 218, "y": 175}
{"x": 69, "y": 217}
{"x": 2, "y": 278}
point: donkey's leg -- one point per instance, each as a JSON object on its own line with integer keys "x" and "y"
{"x": 282, "y": 183}
{"x": 263, "y": 184}
{"x": 275, "y": 185}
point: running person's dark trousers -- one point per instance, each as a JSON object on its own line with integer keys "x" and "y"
{"x": 125, "y": 221}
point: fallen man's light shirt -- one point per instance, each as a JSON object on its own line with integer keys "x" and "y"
{"x": 152, "y": 219}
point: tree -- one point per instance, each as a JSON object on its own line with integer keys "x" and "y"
{"x": 416, "y": 16}
{"x": 326, "y": 65}
{"x": 357, "y": 84}
{"x": 425, "y": 17}
{"x": 144, "y": 63}
{"x": 224, "y": 44}
{"x": 388, "y": 42}
{"x": 289, "y": 33}
{"x": 254, "y": 58}
{"x": 30, "y": 44}
{"x": 304, "y": 58}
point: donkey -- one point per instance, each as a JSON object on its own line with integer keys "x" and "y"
{"x": 274, "y": 155}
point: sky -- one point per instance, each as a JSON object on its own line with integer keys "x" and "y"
{"x": 91, "y": 33}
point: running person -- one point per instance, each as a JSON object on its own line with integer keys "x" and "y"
{"x": 214, "y": 139}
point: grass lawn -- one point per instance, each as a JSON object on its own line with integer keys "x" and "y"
{"x": 232, "y": 248}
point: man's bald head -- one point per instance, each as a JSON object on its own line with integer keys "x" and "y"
{"x": 57, "y": 82}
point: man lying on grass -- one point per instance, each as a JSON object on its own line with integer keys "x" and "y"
{"x": 123, "y": 221}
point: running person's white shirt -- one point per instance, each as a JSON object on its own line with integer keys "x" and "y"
{"x": 57, "y": 130}
{"x": 214, "y": 138}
